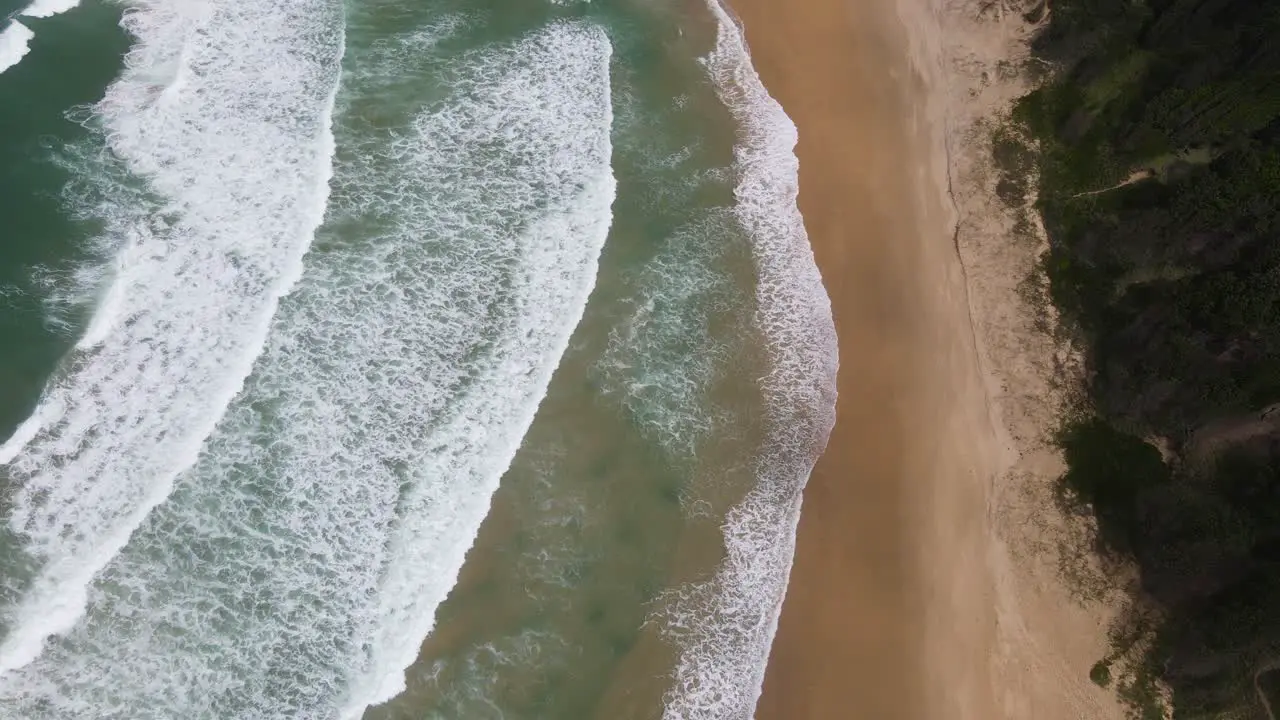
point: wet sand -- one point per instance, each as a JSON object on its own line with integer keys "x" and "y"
{"x": 890, "y": 611}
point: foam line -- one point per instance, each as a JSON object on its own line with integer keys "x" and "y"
{"x": 228, "y": 133}
{"x": 297, "y": 567}
{"x": 725, "y": 627}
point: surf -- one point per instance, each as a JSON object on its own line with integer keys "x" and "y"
{"x": 297, "y": 566}
{"x": 49, "y": 8}
{"x": 224, "y": 138}
{"x": 724, "y": 626}
{"x": 15, "y": 40}
{"x": 15, "y": 43}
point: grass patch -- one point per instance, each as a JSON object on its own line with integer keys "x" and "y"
{"x": 1107, "y": 470}
{"x": 1100, "y": 673}
{"x": 1119, "y": 77}
{"x": 1015, "y": 160}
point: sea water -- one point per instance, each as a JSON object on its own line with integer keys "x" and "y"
{"x": 438, "y": 359}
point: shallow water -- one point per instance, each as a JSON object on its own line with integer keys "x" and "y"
{"x": 309, "y": 283}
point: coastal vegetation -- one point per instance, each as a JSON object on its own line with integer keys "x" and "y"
{"x": 1156, "y": 144}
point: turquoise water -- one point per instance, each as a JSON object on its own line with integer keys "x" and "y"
{"x": 448, "y": 359}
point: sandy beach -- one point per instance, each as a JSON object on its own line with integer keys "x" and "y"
{"x": 927, "y": 581}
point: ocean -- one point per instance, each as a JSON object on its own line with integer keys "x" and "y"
{"x": 388, "y": 359}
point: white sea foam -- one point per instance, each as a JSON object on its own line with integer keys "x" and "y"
{"x": 539, "y": 136}
{"x": 48, "y": 8}
{"x": 15, "y": 43}
{"x": 15, "y": 40}
{"x": 296, "y": 569}
{"x": 223, "y": 111}
{"x": 725, "y": 626}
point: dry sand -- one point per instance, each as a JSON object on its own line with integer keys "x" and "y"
{"x": 934, "y": 575}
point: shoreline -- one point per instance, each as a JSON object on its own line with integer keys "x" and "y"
{"x": 870, "y": 626}
{"x": 928, "y": 579}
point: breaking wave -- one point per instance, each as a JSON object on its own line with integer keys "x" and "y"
{"x": 725, "y": 626}
{"x": 296, "y": 569}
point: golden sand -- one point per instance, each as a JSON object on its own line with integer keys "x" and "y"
{"x": 925, "y": 582}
